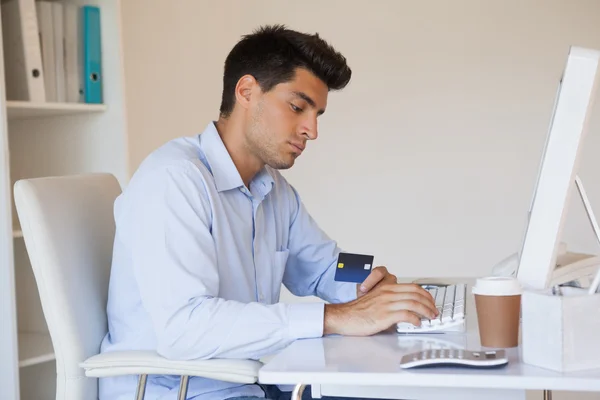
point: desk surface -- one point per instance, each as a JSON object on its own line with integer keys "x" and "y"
{"x": 338, "y": 360}
{"x": 374, "y": 360}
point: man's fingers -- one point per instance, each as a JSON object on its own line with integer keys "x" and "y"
{"x": 413, "y": 287}
{"x": 407, "y": 316}
{"x": 414, "y": 302}
{"x": 416, "y": 307}
{"x": 390, "y": 278}
{"x": 376, "y": 275}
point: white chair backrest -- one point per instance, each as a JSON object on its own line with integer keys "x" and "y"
{"x": 68, "y": 228}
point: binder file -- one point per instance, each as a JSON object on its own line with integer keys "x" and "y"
{"x": 45, "y": 22}
{"x": 92, "y": 55}
{"x": 59, "y": 51}
{"x": 72, "y": 53}
{"x": 23, "y": 57}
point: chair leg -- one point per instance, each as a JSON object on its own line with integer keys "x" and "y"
{"x": 183, "y": 388}
{"x": 298, "y": 391}
{"x": 141, "y": 388}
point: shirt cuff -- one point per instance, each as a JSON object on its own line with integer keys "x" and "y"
{"x": 306, "y": 320}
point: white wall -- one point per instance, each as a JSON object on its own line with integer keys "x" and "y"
{"x": 428, "y": 158}
{"x": 174, "y": 53}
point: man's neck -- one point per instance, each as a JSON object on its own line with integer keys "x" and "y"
{"x": 233, "y": 137}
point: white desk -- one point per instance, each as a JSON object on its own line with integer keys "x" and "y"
{"x": 368, "y": 367}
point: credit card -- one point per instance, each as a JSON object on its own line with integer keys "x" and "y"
{"x": 353, "y": 267}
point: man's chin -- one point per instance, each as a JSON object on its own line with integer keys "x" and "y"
{"x": 282, "y": 164}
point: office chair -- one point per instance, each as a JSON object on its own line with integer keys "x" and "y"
{"x": 68, "y": 228}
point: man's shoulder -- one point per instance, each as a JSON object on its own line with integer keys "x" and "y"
{"x": 179, "y": 158}
{"x": 173, "y": 152}
{"x": 170, "y": 181}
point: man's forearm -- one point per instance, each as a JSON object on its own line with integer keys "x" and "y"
{"x": 217, "y": 328}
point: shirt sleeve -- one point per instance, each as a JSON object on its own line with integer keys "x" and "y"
{"x": 313, "y": 259}
{"x": 167, "y": 230}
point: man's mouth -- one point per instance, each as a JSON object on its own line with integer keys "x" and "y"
{"x": 298, "y": 147}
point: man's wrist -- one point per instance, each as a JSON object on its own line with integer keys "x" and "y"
{"x": 332, "y": 318}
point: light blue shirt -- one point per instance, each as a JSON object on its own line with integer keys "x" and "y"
{"x": 198, "y": 264}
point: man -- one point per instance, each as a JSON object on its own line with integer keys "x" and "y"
{"x": 208, "y": 230}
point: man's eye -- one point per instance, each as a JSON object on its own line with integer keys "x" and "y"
{"x": 295, "y": 108}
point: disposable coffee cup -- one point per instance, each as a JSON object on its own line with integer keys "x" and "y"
{"x": 498, "y": 304}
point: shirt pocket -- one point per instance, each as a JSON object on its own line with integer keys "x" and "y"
{"x": 280, "y": 259}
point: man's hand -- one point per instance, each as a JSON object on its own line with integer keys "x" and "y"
{"x": 375, "y": 311}
{"x": 379, "y": 275}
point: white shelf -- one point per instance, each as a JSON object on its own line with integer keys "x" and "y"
{"x": 34, "y": 348}
{"x": 27, "y": 110}
{"x": 40, "y": 139}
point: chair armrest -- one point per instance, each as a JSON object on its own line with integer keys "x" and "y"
{"x": 148, "y": 362}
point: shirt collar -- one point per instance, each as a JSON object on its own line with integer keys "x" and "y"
{"x": 222, "y": 167}
{"x": 263, "y": 182}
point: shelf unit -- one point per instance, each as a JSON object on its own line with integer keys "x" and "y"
{"x": 49, "y": 139}
{"x": 27, "y": 110}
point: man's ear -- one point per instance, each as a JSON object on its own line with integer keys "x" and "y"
{"x": 244, "y": 90}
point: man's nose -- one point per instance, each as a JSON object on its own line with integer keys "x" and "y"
{"x": 310, "y": 129}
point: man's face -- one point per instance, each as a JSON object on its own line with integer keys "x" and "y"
{"x": 283, "y": 119}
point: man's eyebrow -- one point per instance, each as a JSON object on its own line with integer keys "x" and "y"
{"x": 307, "y": 98}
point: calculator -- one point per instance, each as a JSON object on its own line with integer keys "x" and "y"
{"x": 454, "y": 358}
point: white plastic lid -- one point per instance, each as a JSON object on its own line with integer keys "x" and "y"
{"x": 497, "y": 286}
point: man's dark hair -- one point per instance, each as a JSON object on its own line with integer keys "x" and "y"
{"x": 271, "y": 55}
